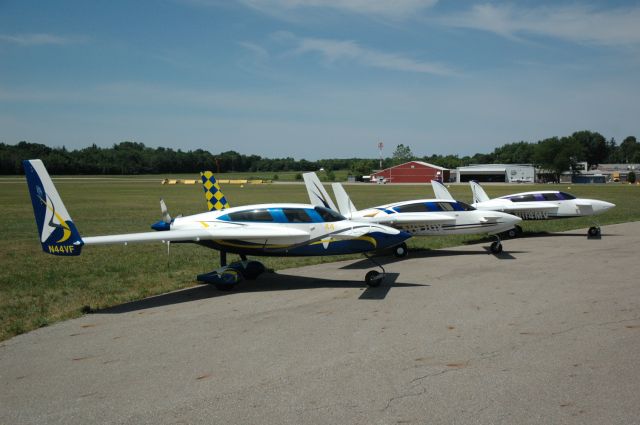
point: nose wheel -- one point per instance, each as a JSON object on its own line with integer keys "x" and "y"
{"x": 374, "y": 278}
{"x": 594, "y": 231}
{"x": 496, "y": 246}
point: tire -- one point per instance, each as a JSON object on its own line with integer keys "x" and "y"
{"x": 496, "y": 247}
{"x": 401, "y": 250}
{"x": 253, "y": 270}
{"x": 594, "y": 231}
{"x": 373, "y": 278}
{"x": 512, "y": 233}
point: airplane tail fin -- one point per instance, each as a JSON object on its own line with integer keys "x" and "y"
{"x": 440, "y": 190}
{"x": 345, "y": 205}
{"x": 318, "y": 196}
{"x": 212, "y": 192}
{"x": 479, "y": 195}
{"x": 58, "y": 233}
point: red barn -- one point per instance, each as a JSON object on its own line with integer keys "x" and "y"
{"x": 412, "y": 172}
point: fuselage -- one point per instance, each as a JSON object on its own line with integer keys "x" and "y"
{"x": 304, "y": 230}
{"x": 543, "y": 205}
{"x": 431, "y": 217}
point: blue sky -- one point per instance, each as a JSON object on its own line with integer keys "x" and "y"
{"x": 317, "y": 79}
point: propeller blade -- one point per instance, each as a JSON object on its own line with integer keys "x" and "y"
{"x": 166, "y": 217}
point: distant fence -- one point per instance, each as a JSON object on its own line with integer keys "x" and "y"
{"x": 221, "y": 181}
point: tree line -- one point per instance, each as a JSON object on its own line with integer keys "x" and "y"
{"x": 555, "y": 154}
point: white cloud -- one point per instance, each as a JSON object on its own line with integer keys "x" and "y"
{"x": 577, "y": 23}
{"x": 347, "y": 50}
{"x": 390, "y": 9}
{"x": 36, "y": 39}
{"x": 256, "y": 50}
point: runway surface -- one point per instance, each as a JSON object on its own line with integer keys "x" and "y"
{"x": 547, "y": 332}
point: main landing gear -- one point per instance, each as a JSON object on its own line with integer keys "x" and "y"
{"x": 496, "y": 246}
{"x": 374, "y": 278}
{"x": 227, "y": 277}
{"x": 515, "y": 232}
{"x": 401, "y": 250}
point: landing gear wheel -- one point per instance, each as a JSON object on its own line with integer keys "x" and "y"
{"x": 401, "y": 250}
{"x": 515, "y": 232}
{"x": 253, "y": 269}
{"x": 496, "y": 247}
{"x": 373, "y": 278}
{"x": 594, "y": 231}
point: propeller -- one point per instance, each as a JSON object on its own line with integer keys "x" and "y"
{"x": 166, "y": 217}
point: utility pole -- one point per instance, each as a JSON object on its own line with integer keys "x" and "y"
{"x": 380, "y": 146}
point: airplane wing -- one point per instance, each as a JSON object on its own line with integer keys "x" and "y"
{"x": 410, "y": 218}
{"x": 196, "y": 235}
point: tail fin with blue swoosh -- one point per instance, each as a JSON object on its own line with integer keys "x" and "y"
{"x": 58, "y": 233}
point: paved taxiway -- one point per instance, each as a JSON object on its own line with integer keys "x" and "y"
{"x": 547, "y": 332}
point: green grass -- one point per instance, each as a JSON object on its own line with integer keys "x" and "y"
{"x": 38, "y": 289}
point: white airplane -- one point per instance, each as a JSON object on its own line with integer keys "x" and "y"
{"x": 539, "y": 205}
{"x": 265, "y": 229}
{"x": 419, "y": 217}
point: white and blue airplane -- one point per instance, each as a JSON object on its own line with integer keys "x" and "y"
{"x": 538, "y": 205}
{"x": 263, "y": 230}
{"x": 419, "y": 217}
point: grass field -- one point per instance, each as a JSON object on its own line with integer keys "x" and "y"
{"x": 37, "y": 289}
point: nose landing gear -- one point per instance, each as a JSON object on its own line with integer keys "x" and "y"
{"x": 496, "y": 246}
{"x": 374, "y": 278}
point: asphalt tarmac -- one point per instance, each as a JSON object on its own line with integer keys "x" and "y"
{"x": 547, "y": 332}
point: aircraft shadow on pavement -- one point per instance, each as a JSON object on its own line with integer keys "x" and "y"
{"x": 266, "y": 282}
{"x": 560, "y": 234}
{"x": 430, "y": 253}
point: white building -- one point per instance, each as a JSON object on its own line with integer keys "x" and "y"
{"x": 502, "y": 173}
